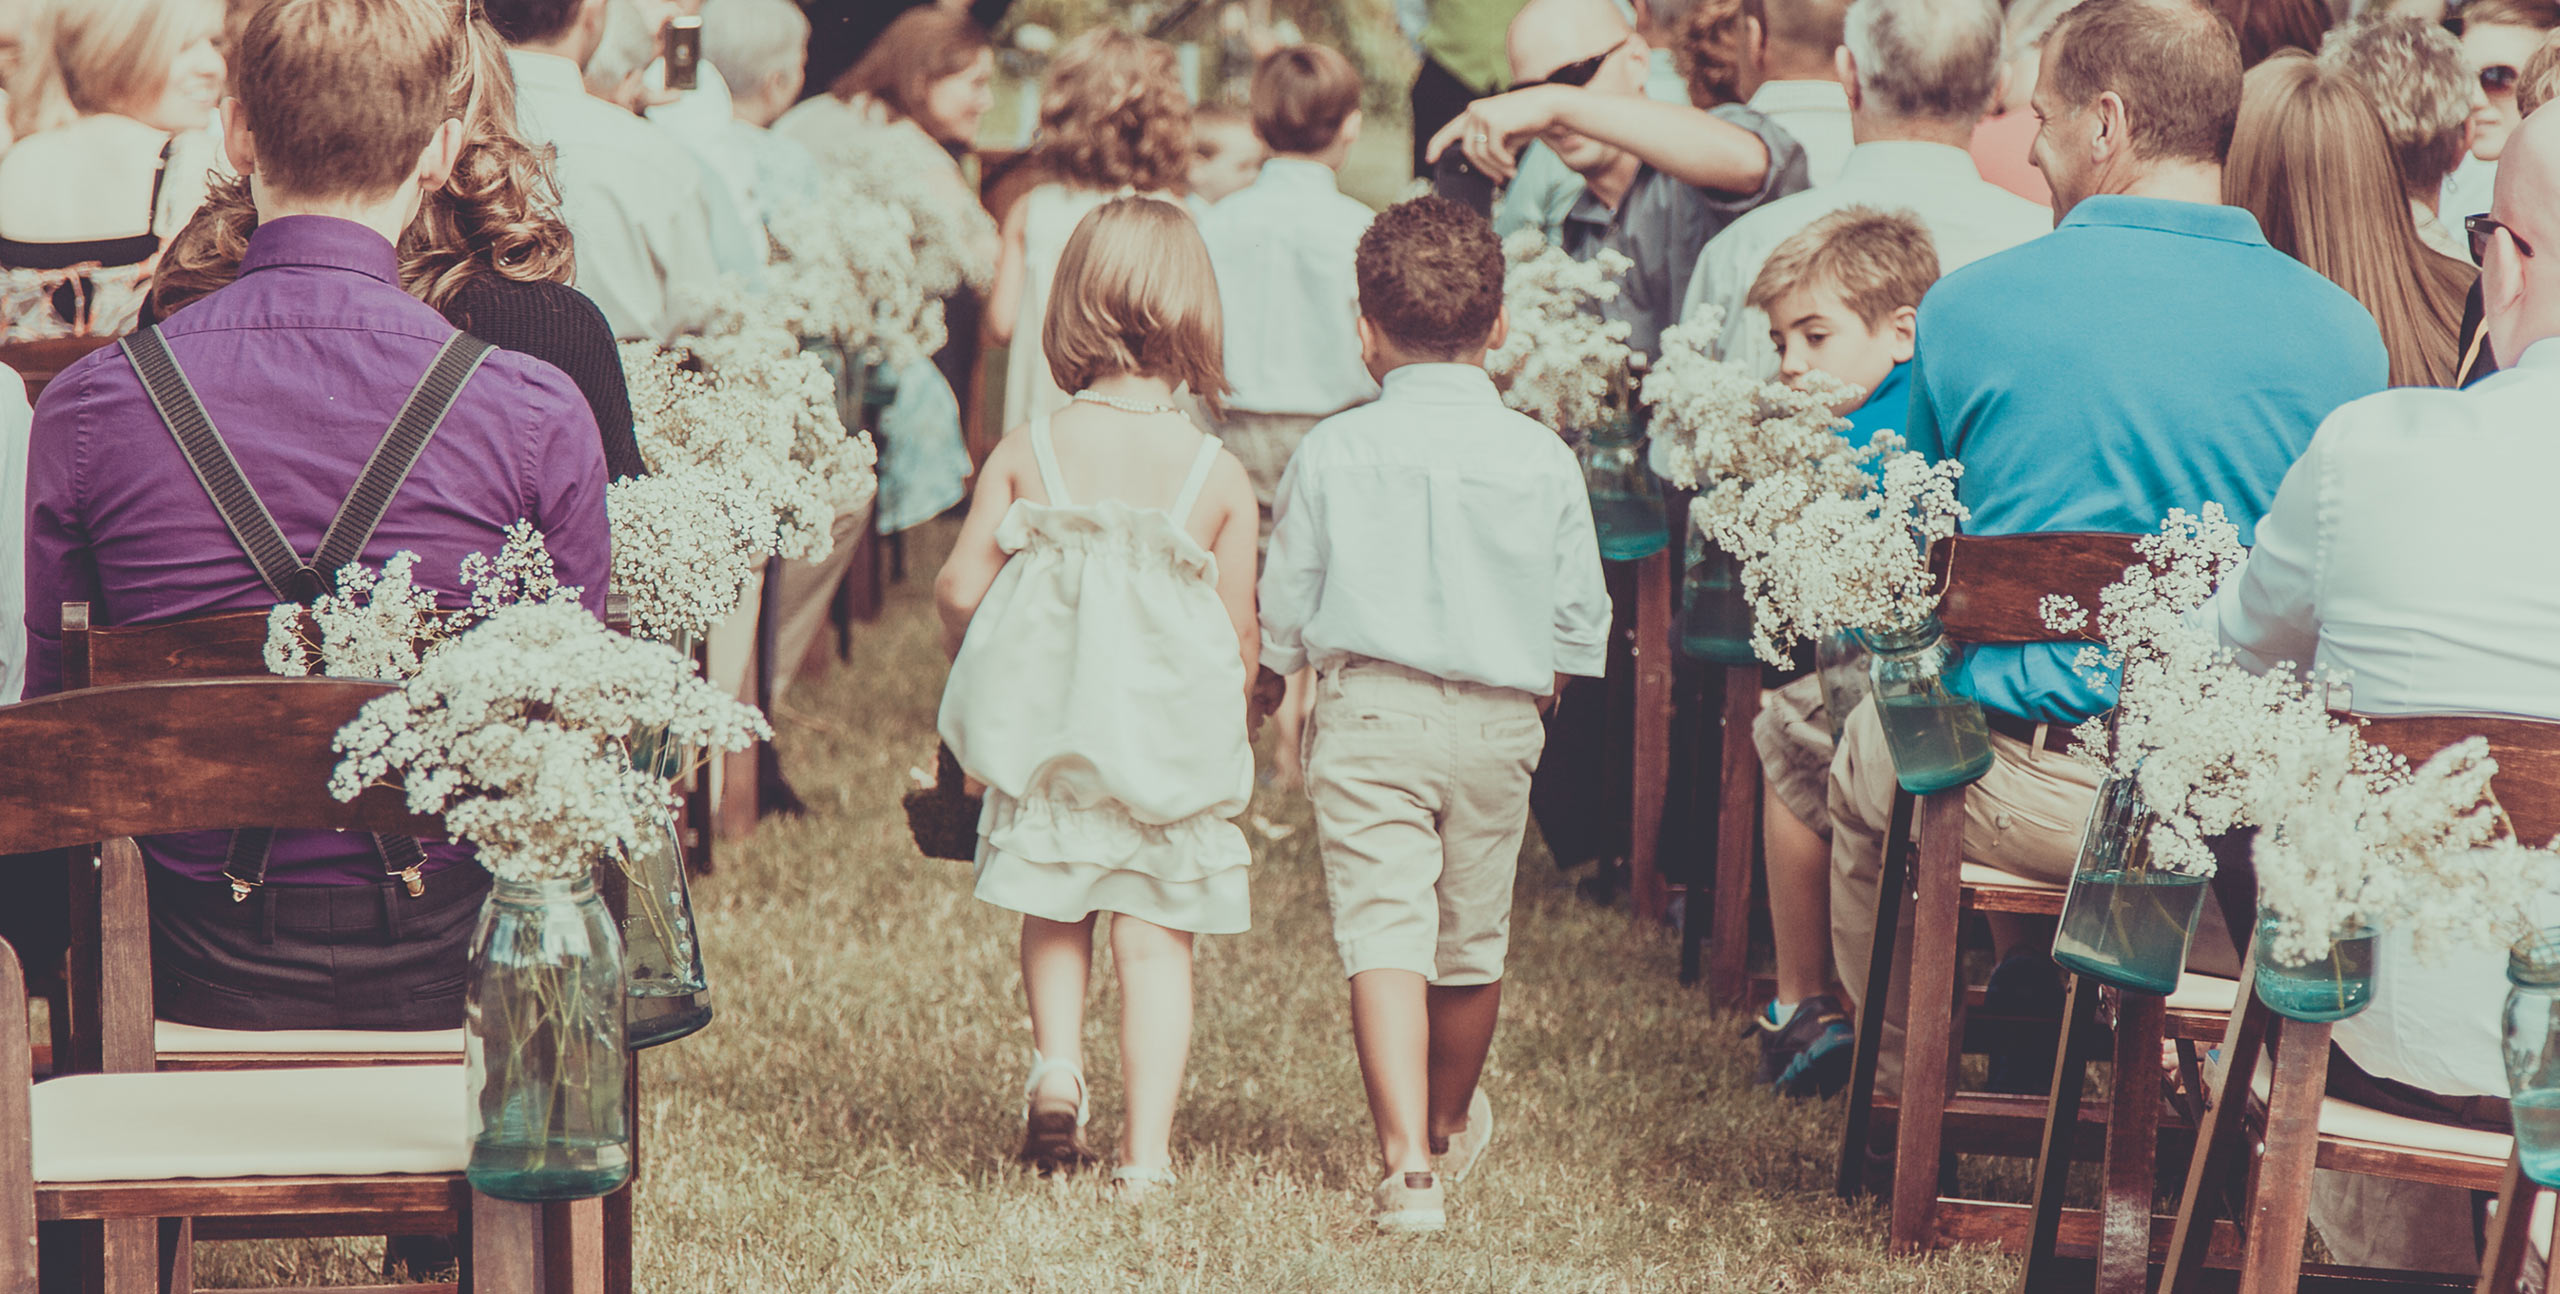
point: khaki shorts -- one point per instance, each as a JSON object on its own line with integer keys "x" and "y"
{"x": 1793, "y": 736}
{"x": 1421, "y": 793}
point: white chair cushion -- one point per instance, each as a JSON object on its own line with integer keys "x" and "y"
{"x": 2204, "y": 993}
{"x": 176, "y": 1039}
{"x": 345, "y": 1121}
{"x": 2351, "y": 1122}
{"x": 1974, "y": 873}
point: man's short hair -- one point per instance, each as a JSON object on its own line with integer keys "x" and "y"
{"x": 526, "y": 22}
{"x": 1813, "y": 27}
{"x": 388, "y": 69}
{"x": 1430, "y": 274}
{"x": 1878, "y": 261}
{"x": 751, "y": 41}
{"x": 1928, "y": 60}
{"x": 2175, "y": 63}
{"x": 2415, "y": 75}
{"x": 1301, "y": 96}
{"x": 2540, "y": 15}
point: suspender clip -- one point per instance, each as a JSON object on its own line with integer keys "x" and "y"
{"x": 239, "y": 888}
{"x": 415, "y": 880}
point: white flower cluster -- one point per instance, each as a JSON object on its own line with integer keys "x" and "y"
{"x": 383, "y": 625}
{"x": 518, "y": 733}
{"x": 1562, "y": 362}
{"x": 854, "y": 266}
{"x": 1828, "y": 535}
{"x": 687, "y": 545}
{"x": 2348, "y": 834}
{"x": 763, "y": 416}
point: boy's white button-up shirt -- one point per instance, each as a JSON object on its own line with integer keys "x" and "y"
{"x": 1439, "y": 530}
{"x": 1283, "y": 249}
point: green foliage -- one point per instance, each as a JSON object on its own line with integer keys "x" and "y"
{"x": 1363, "y": 29}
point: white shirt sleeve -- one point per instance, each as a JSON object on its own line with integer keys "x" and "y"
{"x": 17, "y": 420}
{"x": 1292, "y": 572}
{"x": 1581, "y": 593}
{"x": 2270, "y": 611}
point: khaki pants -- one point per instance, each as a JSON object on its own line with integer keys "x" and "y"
{"x": 805, "y": 591}
{"x": 1421, "y": 793}
{"x": 2024, "y": 816}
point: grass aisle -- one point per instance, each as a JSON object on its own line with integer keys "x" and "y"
{"x": 848, "y": 1121}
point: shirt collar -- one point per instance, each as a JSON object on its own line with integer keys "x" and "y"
{"x": 1298, "y": 173}
{"x": 2541, "y": 354}
{"x": 2169, "y": 216}
{"x": 546, "y": 72}
{"x": 1774, "y": 97}
{"x": 1904, "y": 160}
{"x": 1440, "y": 384}
{"x": 323, "y": 241}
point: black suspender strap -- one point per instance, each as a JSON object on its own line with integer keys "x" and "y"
{"x": 254, "y": 527}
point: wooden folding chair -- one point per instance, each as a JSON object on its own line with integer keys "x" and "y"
{"x": 2297, "y": 1126}
{"x": 124, "y": 1161}
{"x": 1993, "y": 587}
{"x": 1648, "y": 894}
{"x": 2525, "y": 1218}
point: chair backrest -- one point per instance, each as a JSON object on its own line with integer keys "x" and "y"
{"x": 39, "y": 362}
{"x": 2527, "y": 751}
{"x": 224, "y": 644}
{"x": 1995, "y": 585}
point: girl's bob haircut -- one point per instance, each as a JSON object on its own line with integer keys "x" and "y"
{"x": 1134, "y": 294}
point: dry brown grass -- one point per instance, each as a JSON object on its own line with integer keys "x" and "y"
{"x": 846, "y": 1123}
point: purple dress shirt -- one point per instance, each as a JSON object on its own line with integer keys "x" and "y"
{"x": 303, "y": 363}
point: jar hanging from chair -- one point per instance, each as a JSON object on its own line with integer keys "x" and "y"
{"x": 661, "y": 945}
{"x": 1938, "y": 739}
{"x": 544, "y": 1045}
{"x": 1715, "y": 616}
{"x": 2532, "y": 1046}
{"x": 2331, "y": 984}
{"x": 2126, "y": 922}
{"x": 1626, "y": 501}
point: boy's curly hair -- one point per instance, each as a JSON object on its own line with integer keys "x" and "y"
{"x": 1430, "y": 274}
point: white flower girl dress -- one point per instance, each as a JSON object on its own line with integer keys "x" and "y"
{"x": 1100, "y": 697}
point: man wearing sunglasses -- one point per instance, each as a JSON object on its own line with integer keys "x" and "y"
{"x": 2498, "y": 38}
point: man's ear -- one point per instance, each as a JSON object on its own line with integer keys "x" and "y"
{"x": 1368, "y": 342}
{"x": 1906, "y": 333}
{"x": 2114, "y": 125}
{"x": 437, "y": 160}
{"x": 2000, "y": 91}
{"x": 1847, "y": 68}
{"x": 1350, "y": 132}
{"x": 2501, "y": 293}
{"x": 237, "y": 143}
{"x": 1501, "y": 329}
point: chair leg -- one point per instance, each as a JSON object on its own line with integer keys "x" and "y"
{"x": 2133, "y": 1144}
{"x": 1929, "y": 1036}
{"x": 501, "y": 1247}
{"x": 2510, "y": 1238}
{"x": 1892, "y": 891}
{"x": 573, "y": 1247}
{"x": 2222, "y": 1140}
{"x": 2279, "y": 1210}
{"x": 1737, "y": 814}
{"x": 1648, "y": 896}
{"x": 2061, "y": 1133}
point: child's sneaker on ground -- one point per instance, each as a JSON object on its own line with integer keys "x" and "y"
{"x": 1410, "y": 1202}
{"x": 1808, "y": 1054}
{"x": 1457, "y": 1154}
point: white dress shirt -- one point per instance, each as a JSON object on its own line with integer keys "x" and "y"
{"x": 16, "y": 419}
{"x": 1968, "y": 218}
{"x": 632, "y": 197}
{"x": 1817, "y": 114}
{"x": 2409, "y": 551}
{"x": 1439, "y": 530}
{"x": 1283, "y": 248}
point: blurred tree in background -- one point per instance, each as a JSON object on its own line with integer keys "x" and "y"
{"x": 1222, "y": 36}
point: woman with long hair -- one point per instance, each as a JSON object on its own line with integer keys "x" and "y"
{"x": 488, "y": 251}
{"x": 2311, "y": 160}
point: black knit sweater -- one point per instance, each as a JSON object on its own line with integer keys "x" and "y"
{"x": 557, "y": 324}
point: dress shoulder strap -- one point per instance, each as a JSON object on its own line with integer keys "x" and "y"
{"x": 1200, "y": 465}
{"x": 1050, "y": 478}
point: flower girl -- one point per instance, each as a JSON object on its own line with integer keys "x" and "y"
{"x": 1099, "y": 608}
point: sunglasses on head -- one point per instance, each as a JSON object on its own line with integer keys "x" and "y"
{"x": 1578, "y": 72}
{"x": 2482, "y": 227}
{"x": 2498, "y": 78}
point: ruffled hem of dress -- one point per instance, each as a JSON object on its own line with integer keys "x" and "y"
{"x": 1054, "y": 832}
{"x": 1217, "y": 904}
{"x": 1111, "y": 526}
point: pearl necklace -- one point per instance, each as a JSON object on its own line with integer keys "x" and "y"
{"x": 1125, "y": 406}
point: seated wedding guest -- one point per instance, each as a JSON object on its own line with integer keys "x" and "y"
{"x": 2498, "y": 38}
{"x": 642, "y": 227}
{"x": 1842, "y": 296}
{"x": 2155, "y": 299}
{"x": 110, "y": 110}
{"x": 761, "y": 48}
{"x": 300, "y": 366}
{"x": 2414, "y": 75}
{"x": 629, "y": 67}
{"x": 1543, "y": 188}
{"x": 1920, "y": 74}
{"x": 2539, "y": 85}
{"x": 1113, "y": 121}
{"x": 2269, "y": 27}
{"x": 1225, "y": 155}
{"x": 1283, "y": 249}
{"x": 2001, "y": 142}
{"x": 2403, "y": 554}
{"x": 487, "y": 250}
{"x": 2311, "y": 160}
{"x": 1659, "y": 179}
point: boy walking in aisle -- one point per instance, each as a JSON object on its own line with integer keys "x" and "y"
{"x": 1433, "y": 560}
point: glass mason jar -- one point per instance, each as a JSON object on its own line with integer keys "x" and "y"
{"x": 544, "y": 1049}
{"x": 2328, "y": 986}
{"x": 1842, "y": 662}
{"x": 1626, "y": 504}
{"x": 2533, "y": 1053}
{"x": 1938, "y": 739}
{"x": 1715, "y": 617}
{"x": 661, "y": 946}
{"x": 2125, "y": 922}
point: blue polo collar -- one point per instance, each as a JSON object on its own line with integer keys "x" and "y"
{"x": 2169, "y": 216}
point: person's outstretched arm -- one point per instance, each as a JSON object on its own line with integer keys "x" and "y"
{"x": 1686, "y": 143}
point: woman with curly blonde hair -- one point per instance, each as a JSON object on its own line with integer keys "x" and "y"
{"x": 1113, "y": 121}
{"x": 489, "y": 251}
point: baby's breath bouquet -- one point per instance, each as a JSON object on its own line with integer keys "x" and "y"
{"x": 847, "y": 271}
{"x": 1562, "y": 357}
{"x": 1829, "y": 535}
{"x": 383, "y": 624}
{"x": 765, "y": 419}
{"x": 687, "y": 545}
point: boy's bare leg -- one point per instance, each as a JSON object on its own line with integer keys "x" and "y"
{"x": 1462, "y": 1021}
{"x": 1391, "y": 1025}
{"x": 1799, "y": 901}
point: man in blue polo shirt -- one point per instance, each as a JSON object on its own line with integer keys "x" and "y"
{"x": 2153, "y": 352}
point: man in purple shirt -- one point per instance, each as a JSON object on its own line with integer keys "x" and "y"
{"x": 301, "y": 365}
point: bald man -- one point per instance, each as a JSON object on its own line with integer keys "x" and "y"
{"x": 2408, "y": 551}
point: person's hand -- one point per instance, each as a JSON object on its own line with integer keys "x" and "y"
{"x": 1262, "y": 701}
{"x": 1490, "y": 131}
{"x": 636, "y": 96}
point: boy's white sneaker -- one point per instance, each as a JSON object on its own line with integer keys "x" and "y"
{"x": 1410, "y": 1202}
